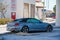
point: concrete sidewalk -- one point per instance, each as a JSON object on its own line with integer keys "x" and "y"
{"x": 56, "y": 26}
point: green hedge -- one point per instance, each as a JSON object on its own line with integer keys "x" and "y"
{"x": 5, "y": 20}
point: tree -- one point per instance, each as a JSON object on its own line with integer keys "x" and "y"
{"x": 3, "y": 9}
{"x": 54, "y": 8}
{"x": 43, "y": 3}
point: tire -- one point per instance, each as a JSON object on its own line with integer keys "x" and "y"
{"x": 13, "y": 31}
{"x": 25, "y": 29}
{"x": 49, "y": 29}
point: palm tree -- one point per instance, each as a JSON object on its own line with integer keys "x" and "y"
{"x": 54, "y": 8}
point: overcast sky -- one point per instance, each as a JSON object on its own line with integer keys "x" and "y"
{"x": 50, "y": 5}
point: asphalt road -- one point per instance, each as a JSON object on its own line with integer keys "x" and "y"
{"x": 54, "y": 35}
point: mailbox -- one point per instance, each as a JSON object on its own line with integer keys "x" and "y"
{"x": 13, "y": 15}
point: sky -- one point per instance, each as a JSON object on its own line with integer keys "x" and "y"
{"x": 49, "y": 5}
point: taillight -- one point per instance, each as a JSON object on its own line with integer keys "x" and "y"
{"x": 16, "y": 24}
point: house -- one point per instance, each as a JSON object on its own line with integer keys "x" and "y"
{"x": 20, "y": 9}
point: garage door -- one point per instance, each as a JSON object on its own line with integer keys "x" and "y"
{"x": 32, "y": 10}
{"x": 26, "y": 10}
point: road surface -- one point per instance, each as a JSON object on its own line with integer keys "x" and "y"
{"x": 54, "y": 35}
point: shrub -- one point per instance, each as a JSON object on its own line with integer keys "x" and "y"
{"x": 5, "y": 20}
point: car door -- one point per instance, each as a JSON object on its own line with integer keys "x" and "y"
{"x": 38, "y": 25}
{"x": 32, "y": 24}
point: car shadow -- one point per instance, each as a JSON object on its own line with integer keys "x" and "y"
{"x": 36, "y": 31}
{"x": 31, "y": 33}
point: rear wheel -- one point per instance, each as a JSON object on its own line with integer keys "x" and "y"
{"x": 13, "y": 31}
{"x": 25, "y": 29}
{"x": 49, "y": 28}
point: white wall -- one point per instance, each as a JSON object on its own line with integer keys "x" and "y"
{"x": 19, "y": 9}
{"x": 39, "y": 13}
{"x": 29, "y": 1}
{"x": 58, "y": 13}
{"x": 8, "y": 13}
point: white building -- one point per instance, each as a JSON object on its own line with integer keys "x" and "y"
{"x": 20, "y": 8}
{"x": 58, "y": 13}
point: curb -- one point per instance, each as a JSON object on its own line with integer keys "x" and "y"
{"x": 4, "y": 33}
{"x": 56, "y": 27}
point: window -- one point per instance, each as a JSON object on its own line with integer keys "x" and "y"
{"x": 20, "y": 20}
{"x": 33, "y": 21}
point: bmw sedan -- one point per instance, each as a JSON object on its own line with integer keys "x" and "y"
{"x": 28, "y": 24}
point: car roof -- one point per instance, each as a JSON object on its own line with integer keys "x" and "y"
{"x": 24, "y": 18}
{"x": 27, "y": 18}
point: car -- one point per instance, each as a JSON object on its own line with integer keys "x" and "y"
{"x": 28, "y": 24}
{"x": 49, "y": 20}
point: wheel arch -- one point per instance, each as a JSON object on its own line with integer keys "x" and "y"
{"x": 24, "y": 26}
{"x": 50, "y": 26}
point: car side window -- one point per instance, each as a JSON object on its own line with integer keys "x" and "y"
{"x": 35, "y": 21}
{"x": 29, "y": 20}
{"x": 32, "y": 21}
{"x": 22, "y": 20}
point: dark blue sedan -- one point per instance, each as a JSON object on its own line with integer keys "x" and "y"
{"x": 28, "y": 24}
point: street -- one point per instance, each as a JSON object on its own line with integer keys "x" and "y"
{"x": 54, "y": 35}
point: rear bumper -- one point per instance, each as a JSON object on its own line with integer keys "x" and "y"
{"x": 12, "y": 29}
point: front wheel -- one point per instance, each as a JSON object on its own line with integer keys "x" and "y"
{"x": 49, "y": 29}
{"x": 25, "y": 29}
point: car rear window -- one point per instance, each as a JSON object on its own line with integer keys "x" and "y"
{"x": 17, "y": 20}
{"x": 21, "y": 20}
